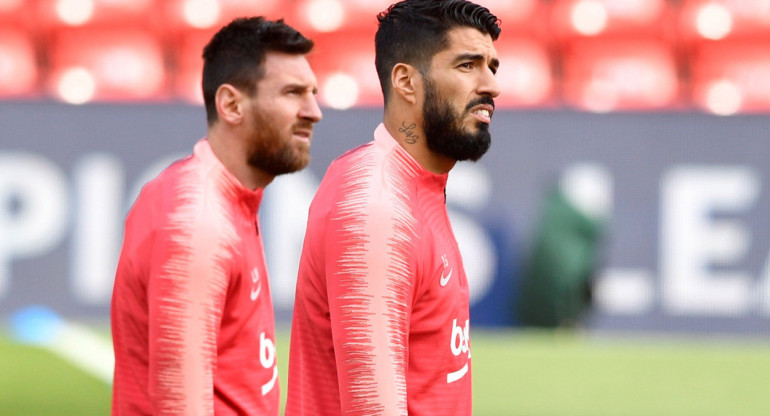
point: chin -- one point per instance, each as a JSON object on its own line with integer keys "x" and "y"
{"x": 301, "y": 162}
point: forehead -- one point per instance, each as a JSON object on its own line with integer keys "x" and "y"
{"x": 467, "y": 40}
{"x": 284, "y": 68}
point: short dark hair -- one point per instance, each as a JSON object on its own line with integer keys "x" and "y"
{"x": 413, "y": 31}
{"x": 237, "y": 51}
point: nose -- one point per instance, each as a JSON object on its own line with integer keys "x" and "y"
{"x": 488, "y": 84}
{"x": 310, "y": 109}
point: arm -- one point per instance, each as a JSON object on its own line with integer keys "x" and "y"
{"x": 370, "y": 273}
{"x": 186, "y": 292}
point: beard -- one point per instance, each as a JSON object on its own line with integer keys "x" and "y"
{"x": 444, "y": 131}
{"x": 278, "y": 155}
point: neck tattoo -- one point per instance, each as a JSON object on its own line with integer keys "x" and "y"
{"x": 408, "y": 130}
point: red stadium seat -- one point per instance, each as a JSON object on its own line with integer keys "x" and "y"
{"x": 346, "y": 74}
{"x": 321, "y": 16}
{"x": 619, "y": 75}
{"x": 56, "y": 14}
{"x": 725, "y": 19}
{"x": 314, "y": 16}
{"x": 573, "y": 19}
{"x": 120, "y": 64}
{"x": 525, "y": 75}
{"x": 18, "y": 64}
{"x": 185, "y": 15}
{"x": 17, "y": 13}
{"x": 732, "y": 77}
{"x": 518, "y": 16}
{"x": 189, "y": 65}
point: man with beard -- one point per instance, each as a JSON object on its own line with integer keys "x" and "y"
{"x": 381, "y": 310}
{"x": 192, "y": 318}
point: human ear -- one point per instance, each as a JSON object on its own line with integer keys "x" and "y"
{"x": 406, "y": 81}
{"x": 228, "y": 102}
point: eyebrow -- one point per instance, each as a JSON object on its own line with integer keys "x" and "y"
{"x": 301, "y": 86}
{"x": 477, "y": 57}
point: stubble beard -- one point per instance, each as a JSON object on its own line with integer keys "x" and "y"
{"x": 277, "y": 155}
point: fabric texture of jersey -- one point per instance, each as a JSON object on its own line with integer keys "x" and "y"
{"x": 381, "y": 314}
{"x": 192, "y": 317}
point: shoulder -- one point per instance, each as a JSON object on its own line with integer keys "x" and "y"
{"x": 348, "y": 177}
{"x": 369, "y": 172}
{"x": 179, "y": 196}
{"x": 161, "y": 186}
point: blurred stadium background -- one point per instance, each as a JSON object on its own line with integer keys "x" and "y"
{"x": 595, "y": 55}
{"x": 616, "y": 235}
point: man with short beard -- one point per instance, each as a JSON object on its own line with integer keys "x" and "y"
{"x": 192, "y": 318}
{"x": 381, "y": 313}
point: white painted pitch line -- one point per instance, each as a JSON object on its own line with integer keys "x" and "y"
{"x": 82, "y": 347}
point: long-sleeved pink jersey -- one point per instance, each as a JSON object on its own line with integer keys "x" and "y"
{"x": 380, "y": 321}
{"x": 192, "y": 318}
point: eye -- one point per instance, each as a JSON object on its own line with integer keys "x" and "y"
{"x": 466, "y": 65}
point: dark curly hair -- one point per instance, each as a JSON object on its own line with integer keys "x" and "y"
{"x": 413, "y": 31}
{"x": 237, "y": 51}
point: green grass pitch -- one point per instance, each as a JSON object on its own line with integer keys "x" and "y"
{"x": 515, "y": 373}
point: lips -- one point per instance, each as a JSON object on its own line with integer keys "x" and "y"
{"x": 482, "y": 108}
{"x": 305, "y": 132}
{"x": 483, "y": 112}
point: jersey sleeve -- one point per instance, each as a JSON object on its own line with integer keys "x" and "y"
{"x": 186, "y": 291}
{"x": 369, "y": 252}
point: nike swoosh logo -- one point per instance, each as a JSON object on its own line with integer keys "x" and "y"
{"x": 445, "y": 279}
{"x": 255, "y": 292}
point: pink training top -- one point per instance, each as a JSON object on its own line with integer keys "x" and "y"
{"x": 192, "y": 318}
{"x": 380, "y": 321}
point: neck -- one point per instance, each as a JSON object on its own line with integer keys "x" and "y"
{"x": 408, "y": 132}
{"x": 234, "y": 157}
